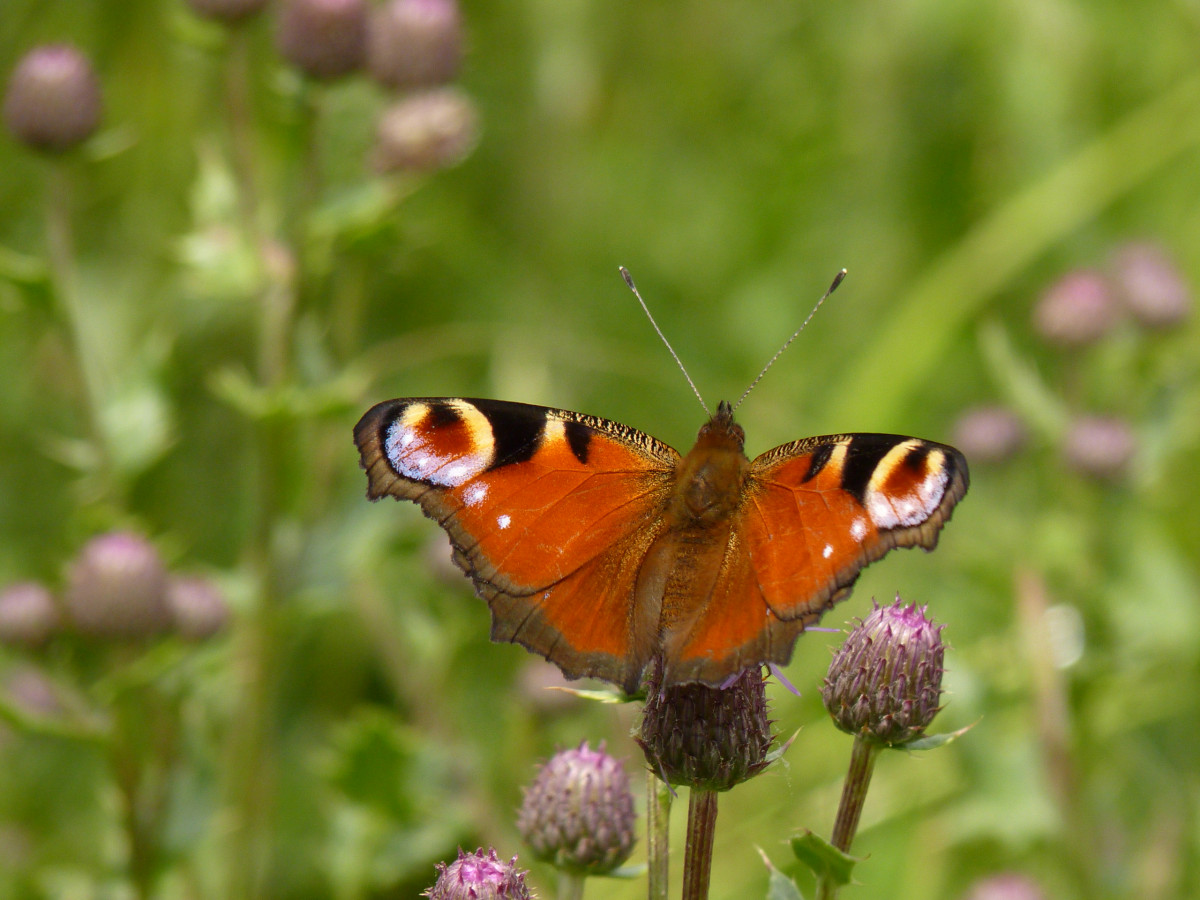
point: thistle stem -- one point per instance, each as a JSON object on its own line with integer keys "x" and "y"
{"x": 854, "y": 796}
{"x": 60, "y": 247}
{"x": 570, "y": 886}
{"x": 697, "y": 853}
{"x": 658, "y": 830}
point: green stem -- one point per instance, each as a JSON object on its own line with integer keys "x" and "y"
{"x": 658, "y": 830}
{"x": 697, "y": 851}
{"x": 241, "y": 130}
{"x": 854, "y": 797}
{"x": 570, "y": 886}
{"x": 60, "y": 248}
{"x": 250, "y": 786}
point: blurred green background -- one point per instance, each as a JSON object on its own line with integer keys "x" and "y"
{"x": 353, "y": 725}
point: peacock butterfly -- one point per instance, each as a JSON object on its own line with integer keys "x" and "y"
{"x": 601, "y": 548}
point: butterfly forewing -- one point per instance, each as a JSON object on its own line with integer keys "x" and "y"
{"x": 820, "y": 509}
{"x": 814, "y": 513}
{"x": 549, "y": 512}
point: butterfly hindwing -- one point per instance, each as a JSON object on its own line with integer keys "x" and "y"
{"x": 550, "y": 513}
{"x": 815, "y": 512}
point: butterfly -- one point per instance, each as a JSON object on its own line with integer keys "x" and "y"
{"x": 603, "y": 549}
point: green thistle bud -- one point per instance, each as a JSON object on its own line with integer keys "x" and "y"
{"x": 429, "y": 130}
{"x": 28, "y": 615}
{"x": 885, "y": 681}
{"x": 323, "y": 38}
{"x": 116, "y": 588}
{"x": 705, "y": 737}
{"x": 479, "y": 876}
{"x": 198, "y": 611}
{"x": 53, "y": 99}
{"x": 414, "y": 43}
{"x": 578, "y": 813}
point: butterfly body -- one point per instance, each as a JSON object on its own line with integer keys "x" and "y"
{"x": 601, "y": 548}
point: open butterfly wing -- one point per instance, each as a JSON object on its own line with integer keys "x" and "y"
{"x": 816, "y": 511}
{"x": 550, "y": 513}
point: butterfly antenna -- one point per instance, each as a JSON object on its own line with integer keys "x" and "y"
{"x": 833, "y": 287}
{"x": 633, "y": 287}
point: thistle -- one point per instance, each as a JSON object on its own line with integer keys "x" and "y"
{"x": 578, "y": 813}
{"x": 885, "y": 682}
{"x": 479, "y": 876}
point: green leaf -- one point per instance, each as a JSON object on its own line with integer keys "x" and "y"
{"x": 22, "y": 269}
{"x": 825, "y": 860}
{"x": 782, "y": 748}
{"x": 600, "y": 696}
{"x": 779, "y": 886}
{"x": 626, "y": 872}
{"x": 930, "y": 741}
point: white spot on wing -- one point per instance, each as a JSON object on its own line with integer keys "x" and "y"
{"x": 503, "y": 521}
{"x": 828, "y": 551}
{"x": 858, "y": 529}
{"x": 553, "y": 432}
{"x": 476, "y": 494}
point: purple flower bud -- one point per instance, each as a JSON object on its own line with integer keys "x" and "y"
{"x": 28, "y": 615}
{"x": 197, "y": 608}
{"x": 116, "y": 588}
{"x": 885, "y": 681}
{"x": 323, "y": 38}
{"x": 1009, "y": 886}
{"x": 414, "y": 43}
{"x": 229, "y": 11}
{"x": 479, "y": 876}
{"x": 706, "y": 737}
{"x": 53, "y": 99}
{"x": 578, "y": 813}
{"x": 1151, "y": 285}
{"x": 29, "y": 689}
{"x": 433, "y": 129}
{"x": 1078, "y": 309}
{"x": 989, "y": 434}
{"x": 1100, "y": 446}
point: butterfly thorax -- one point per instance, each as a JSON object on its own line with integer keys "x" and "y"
{"x": 709, "y": 480}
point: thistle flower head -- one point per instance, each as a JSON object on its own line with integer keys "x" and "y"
{"x": 427, "y": 130}
{"x": 323, "y": 38}
{"x": 710, "y": 738}
{"x": 989, "y": 434}
{"x": 53, "y": 99}
{"x": 116, "y": 588}
{"x": 1076, "y": 310}
{"x": 28, "y": 614}
{"x": 1151, "y": 285}
{"x": 198, "y": 610}
{"x": 414, "y": 43}
{"x": 578, "y": 813}
{"x": 1100, "y": 446}
{"x": 885, "y": 681}
{"x": 479, "y": 876}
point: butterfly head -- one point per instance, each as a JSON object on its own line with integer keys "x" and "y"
{"x": 721, "y": 430}
{"x": 709, "y": 480}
